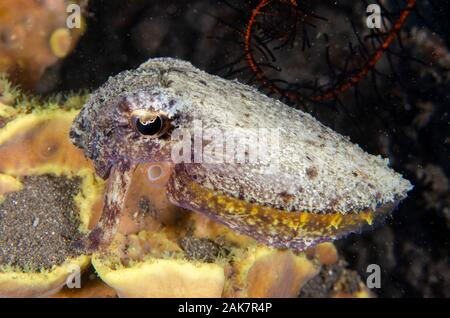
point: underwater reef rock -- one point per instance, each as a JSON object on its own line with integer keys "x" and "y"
{"x": 218, "y": 263}
{"x": 34, "y": 36}
{"x": 91, "y": 287}
{"x": 48, "y": 191}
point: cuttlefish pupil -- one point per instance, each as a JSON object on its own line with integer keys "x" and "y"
{"x": 314, "y": 196}
{"x": 149, "y": 127}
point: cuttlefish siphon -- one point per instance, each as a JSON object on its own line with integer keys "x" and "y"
{"x": 256, "y": 165}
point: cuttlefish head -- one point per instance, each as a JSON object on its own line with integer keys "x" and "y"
{"x": 117, "y": 134}
{"x": 129, "y": 130}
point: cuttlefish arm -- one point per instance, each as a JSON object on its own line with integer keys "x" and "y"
{"x": 116, "y": 192}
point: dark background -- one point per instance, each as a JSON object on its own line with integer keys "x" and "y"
{"x": 399, "y": 110}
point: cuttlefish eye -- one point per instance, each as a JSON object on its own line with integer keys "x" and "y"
{"x": 150, "y": 125}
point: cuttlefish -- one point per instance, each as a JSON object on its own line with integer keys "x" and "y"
{"x": 306, "y": 183}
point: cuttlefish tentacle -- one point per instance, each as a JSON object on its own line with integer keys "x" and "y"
{"x": 114, "y": 201}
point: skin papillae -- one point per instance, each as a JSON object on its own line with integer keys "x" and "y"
{"x": 314, "y": 186}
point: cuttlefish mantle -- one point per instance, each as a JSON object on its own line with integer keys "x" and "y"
{"x": 314, "y": 186}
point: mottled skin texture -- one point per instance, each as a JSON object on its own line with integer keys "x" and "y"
{"x": 324, "y": 187}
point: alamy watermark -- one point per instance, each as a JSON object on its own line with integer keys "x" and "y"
{"x": 373, "y": 21}
{"x": 74, "y": 278}
{"x": 374, "y": 278}
{"x": 73, "y": 20}
{"x": 214, "y": 145}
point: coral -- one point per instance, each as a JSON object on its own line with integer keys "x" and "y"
{"x": 34, "y": 148}
{"x": 335, "y": 281}
{"x": 155, "y": 265}
{"x": 40, "y": 284}
{"x": 33, "y": 36}
{"x": 92, "y": 287}
{"x": 147, "y": 275}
